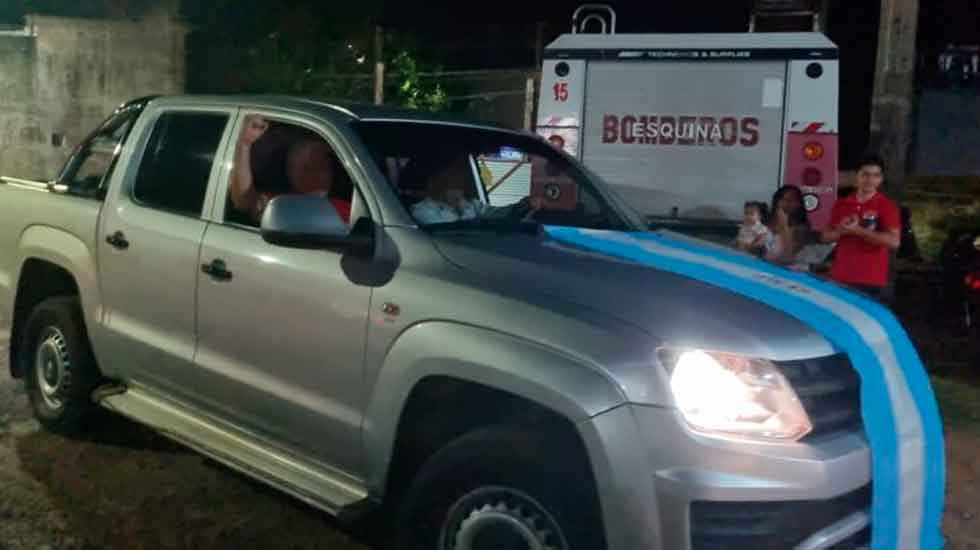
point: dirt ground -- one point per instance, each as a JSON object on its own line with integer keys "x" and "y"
{"x": 962, "y": 524}
{"x": 125, "y": 488}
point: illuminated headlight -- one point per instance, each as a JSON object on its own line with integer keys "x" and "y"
{"x": 730, "y": 396}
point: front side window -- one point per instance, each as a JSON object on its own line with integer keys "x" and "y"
{"x": 453, "y": 176}
{"x": 176, "y": 165}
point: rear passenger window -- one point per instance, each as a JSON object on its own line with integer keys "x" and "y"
{"x": 176, "y": 165}
{"x": 87, "y": 172}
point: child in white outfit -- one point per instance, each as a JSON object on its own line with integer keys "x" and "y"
{"x": 753, "y": 235}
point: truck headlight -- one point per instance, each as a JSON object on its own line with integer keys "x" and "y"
{"x": 731, "y": 396}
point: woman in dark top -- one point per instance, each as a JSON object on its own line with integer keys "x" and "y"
{"x": 789, "y": 225}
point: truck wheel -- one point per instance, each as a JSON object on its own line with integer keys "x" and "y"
{"x": 59, "y": 367}
{"x": 499, "y": 488}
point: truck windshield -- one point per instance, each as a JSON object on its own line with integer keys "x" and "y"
{"x": 453, "y": 177}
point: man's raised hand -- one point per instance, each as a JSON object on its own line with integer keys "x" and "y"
{"x": 255, "y": 126}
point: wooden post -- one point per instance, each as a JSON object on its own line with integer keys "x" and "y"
{"x": 379, "y": 66}
{"x": 892, "y": 126}
{"x": 529, "y": 103}
{"x": 538, "y": 44}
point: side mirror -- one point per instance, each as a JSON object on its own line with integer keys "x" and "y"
{"x": 302, "y": 221}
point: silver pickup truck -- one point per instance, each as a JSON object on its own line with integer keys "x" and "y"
{"x": 419, "y": 343}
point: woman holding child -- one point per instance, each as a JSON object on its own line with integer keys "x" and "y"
{"x": 778, "y": 234}
{"x": 789, "y": 225}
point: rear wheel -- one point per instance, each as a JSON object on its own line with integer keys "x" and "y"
{"x": 59, "y": 367}
{"x": 501, "y": 489}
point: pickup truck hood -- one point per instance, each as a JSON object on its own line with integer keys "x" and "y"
{"x": 673, "y": 309}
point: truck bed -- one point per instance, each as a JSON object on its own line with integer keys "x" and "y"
{"x": 35, "y": 212}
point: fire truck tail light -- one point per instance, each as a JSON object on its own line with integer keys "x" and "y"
{"x": 813, "y": 151}
{"x": 812, "y": 177}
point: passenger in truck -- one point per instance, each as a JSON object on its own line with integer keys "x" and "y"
{"x": 311, "y": 168}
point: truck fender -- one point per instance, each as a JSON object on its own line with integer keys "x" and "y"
{"x": 67, "y": 251}
{"x": 496, "y": 360}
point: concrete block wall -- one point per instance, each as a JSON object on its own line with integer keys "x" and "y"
{"x": 60, "y": 77}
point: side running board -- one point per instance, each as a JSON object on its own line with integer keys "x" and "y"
{"x": 318, "y": 485}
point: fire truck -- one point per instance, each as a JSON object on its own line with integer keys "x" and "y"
{"x": 690, "y": 126}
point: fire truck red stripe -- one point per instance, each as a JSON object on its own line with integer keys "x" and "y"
{"x": 813, "y": 128}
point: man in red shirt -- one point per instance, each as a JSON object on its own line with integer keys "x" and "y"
{"x": 866, "y": 226}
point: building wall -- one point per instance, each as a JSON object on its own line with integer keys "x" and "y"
{"x": 60, "y": 77}
{"x": 947, "y": 140}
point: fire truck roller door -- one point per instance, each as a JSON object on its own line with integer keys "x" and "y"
{"x": 702, "y": 137}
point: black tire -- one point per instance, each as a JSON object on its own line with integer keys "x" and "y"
{"x": 532, "y": 480}
{"x": 55, "y": 335}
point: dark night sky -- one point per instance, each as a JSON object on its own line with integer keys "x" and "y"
{"x": 853, "y": 22}
{"x": 634, "y": 15}
{"x": 506, "y": 27}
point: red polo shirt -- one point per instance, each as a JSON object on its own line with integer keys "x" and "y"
{"x": 857, "y": 261}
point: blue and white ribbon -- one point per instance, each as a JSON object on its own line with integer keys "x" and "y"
{"x": 899, "y": 409}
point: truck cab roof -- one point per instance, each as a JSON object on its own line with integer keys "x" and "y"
{"x": 338, "y": 111}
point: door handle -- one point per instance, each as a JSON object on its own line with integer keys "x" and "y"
{"x": 217, "y": 270}
{"x": 117, "y": 240}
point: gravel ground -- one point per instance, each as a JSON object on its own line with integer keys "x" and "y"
{"x": 126, "y": 488}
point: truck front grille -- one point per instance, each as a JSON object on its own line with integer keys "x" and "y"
{"x": 773, "y": 525}
{"x": 830, "y": 390}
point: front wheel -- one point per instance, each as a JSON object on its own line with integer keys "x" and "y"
{"x": 501, "y": 489}
{"x": 59, "y": 367}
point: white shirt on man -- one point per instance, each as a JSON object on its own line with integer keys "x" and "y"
{"x": 431, "y": 211}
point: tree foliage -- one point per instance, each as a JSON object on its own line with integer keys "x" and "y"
{"x": 414, "y": 91}
{"x": 304, "y": 47}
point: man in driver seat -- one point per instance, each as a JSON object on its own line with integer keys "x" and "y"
{"x": 451, "y": 195}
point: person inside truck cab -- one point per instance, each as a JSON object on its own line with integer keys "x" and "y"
{"x": 450, "y": 191}
{"x": 310, "y": 165}
{"x": 789, "y": 224}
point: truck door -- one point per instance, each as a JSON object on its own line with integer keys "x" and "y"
{"x": 150, "y": 239}
{"x": 282, "y": 330}
{"x": 700, "y": 137}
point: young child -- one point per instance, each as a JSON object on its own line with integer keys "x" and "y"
{"x": 753, "y": 235}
